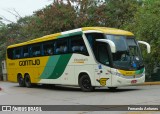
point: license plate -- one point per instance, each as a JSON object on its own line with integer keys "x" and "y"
{"x": 133, "y": 81}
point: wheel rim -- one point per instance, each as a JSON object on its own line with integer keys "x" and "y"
{"x": 86, "y": 83}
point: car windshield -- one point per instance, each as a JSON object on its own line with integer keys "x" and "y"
{"x": 128, "y": 55}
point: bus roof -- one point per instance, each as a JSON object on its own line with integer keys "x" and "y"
{"x": 109, "y": 30}
{"x": 105, "y": 30}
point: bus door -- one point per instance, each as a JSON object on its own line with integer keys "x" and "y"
{"x": 102, "y": 69}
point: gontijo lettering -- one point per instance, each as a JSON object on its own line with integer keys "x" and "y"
{"x": 29, "y": 62}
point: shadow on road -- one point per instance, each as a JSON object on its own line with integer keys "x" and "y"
{"x": 116, "y": 90}
{"x": 77, "y": 89}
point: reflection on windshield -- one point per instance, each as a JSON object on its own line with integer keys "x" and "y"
{"x": 127, "y": 54}
{"x": 119, "y": 41}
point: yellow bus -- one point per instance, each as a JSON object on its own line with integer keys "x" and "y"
{"x": 87, "y": 57}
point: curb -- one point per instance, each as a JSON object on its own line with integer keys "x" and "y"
{"x": 151, "y": 83}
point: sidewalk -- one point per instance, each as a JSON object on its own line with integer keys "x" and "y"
{"x": 151, "y": 83}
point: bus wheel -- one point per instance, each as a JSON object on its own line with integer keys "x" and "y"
{"x": 20, "y": 80}
{"x": 85, "y": 83}
{"x": 27, "y": 81}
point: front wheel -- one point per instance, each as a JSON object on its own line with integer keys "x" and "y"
{"x": 85, "y": 83}
{"x": 27, "y": 81}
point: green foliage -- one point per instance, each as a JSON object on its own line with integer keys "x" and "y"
{"x": 146, "y": 27}
{"x": 3, "y": 29}
{"x": 56, "y": 17}
{"x": 120, "y": 13}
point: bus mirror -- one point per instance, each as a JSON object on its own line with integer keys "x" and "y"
{"x": 111, "y": 44}
{"x": 148, "y": 46}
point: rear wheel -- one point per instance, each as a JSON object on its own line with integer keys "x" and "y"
{"x": 20, "y": 80}
{"x": 85, "y": 83}
{"x": 27, "y": 81}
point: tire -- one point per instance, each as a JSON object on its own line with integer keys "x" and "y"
{"x": 20, "y": 80}
{"x": 85, "y": 83}
{"x": 27, "y": 81}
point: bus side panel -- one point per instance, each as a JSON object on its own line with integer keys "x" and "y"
{"x": 11, "y": 75}
{"x": 82, "y": 64}
{"x": 55, "y": 68}
{"x": 68, "y": 76}
{"x": 87, "y": 69}
{"x": 12, "y": 70}
{"x": 103, "y": 75}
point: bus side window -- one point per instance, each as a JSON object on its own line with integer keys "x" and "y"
{"x": 10, "y": 53}
{"x": 17, "y": 54}
{"x": 48, "y": 48}
{"x": 78, "y": 45}
{"x": 61, "y": 46}
{"x": 25, "y": 52}
{"x": 91, "y": 37}
{"x": 36, "y": 50}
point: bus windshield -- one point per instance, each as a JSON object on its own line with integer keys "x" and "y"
{"x": 128, "y": 55}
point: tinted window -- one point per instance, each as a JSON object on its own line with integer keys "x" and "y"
{"x": 91, "y": 37}
{"x": 25, "y": 51}
{"x": 36, "y": 50}
{"x": 131, "y": 42}
{"x": 77, "y": 45}
{"x": 48, "y": 48}
{"x": 17, "y": 53}
{"x": 61, "y": 46}
{"x": 102, "y": 53}
{"x": 10, "y": 53}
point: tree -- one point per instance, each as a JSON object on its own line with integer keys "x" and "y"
{"x": 3, "y": 28}
{"x": 56, "y": 17}
{"x": 120, "y": 12}
{"x": 146, "y": 27}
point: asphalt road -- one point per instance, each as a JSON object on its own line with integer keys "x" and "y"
{"x": 12, "y": 94}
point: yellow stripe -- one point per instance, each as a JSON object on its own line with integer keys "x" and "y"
{"x": 109, "y": 30}
{"x": 127, "y": 73}
{"x": 79, "y": 62}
